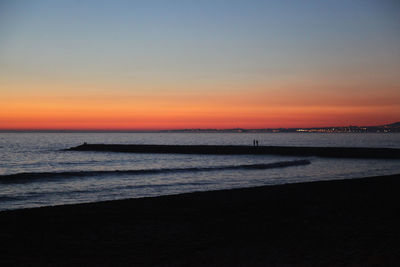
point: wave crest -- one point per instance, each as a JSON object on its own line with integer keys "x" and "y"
{"x": 39, "y": 176}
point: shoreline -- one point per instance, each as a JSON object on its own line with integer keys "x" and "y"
{"x": 216, "y": 191}
{"x": 352, "y": 222}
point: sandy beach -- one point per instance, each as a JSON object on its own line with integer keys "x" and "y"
{"x": 334, "y": 223}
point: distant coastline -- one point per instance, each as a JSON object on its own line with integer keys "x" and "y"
{"x": 387, "y": 128}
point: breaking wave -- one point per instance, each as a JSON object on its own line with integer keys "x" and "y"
{"x": 37, "y": 176}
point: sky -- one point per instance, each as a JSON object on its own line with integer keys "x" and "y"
{"x": 170, "y": 64}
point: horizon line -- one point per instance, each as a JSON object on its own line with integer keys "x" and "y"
{"x": 181, "y": 129}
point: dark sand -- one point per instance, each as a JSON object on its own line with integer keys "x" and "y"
{"x": 336, "y": 223}
{"x": 335, "y": 152}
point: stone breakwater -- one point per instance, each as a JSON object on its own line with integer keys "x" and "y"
{"x": 333, "y": 152}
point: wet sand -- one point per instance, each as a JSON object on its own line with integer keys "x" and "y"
{"x": 336, "y": 223}
{"x": 334, "y": 152}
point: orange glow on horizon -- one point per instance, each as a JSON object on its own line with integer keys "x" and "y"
{"x": 160, "y": 108}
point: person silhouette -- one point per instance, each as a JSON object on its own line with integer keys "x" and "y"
{"x": 256, "y": 142}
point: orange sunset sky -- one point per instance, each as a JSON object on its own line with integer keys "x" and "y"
{"x": 145, "y": 65}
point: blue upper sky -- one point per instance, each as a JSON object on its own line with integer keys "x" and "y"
{"x": 198, "y": 38}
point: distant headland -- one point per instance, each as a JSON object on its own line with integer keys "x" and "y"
{"x": 387, "y": 128}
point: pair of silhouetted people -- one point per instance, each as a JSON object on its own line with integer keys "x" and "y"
{"x": 255, "y": 142}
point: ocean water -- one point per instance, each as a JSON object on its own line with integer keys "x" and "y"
{"x": 35, "y": 170}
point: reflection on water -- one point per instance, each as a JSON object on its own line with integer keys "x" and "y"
{"x": 42, "y": 153}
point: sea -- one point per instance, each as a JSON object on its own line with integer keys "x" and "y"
{"x": 36, "y": 169}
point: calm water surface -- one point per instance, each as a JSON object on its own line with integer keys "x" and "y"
{"x": 35, "y": 171}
